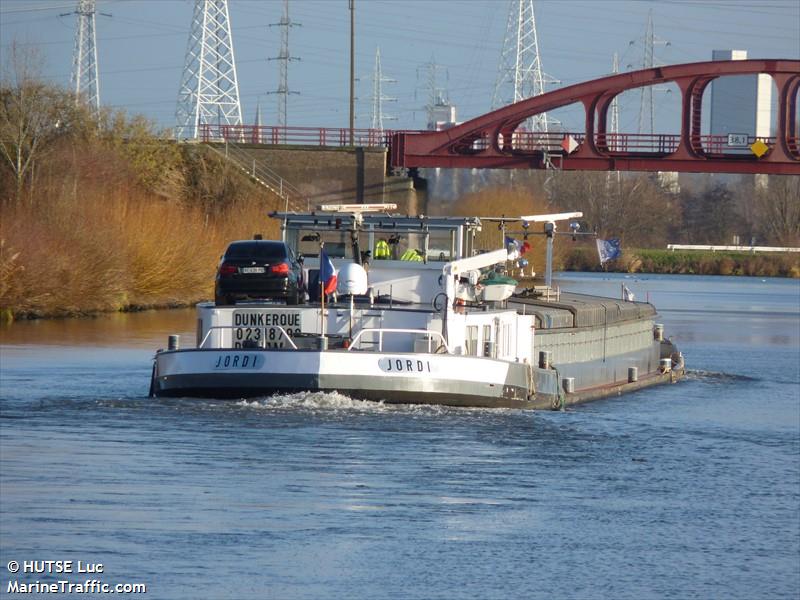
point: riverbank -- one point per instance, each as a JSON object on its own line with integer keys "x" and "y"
{"x": 114, "y": 253}
{"x": 668, "y": 262}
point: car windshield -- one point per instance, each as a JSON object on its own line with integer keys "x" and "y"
{"x": 256, "y": 249}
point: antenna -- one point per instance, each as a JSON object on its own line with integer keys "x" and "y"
{"x": 84, "y": 80}
{"x": 377, "y": 95}
{"x": 209, "y": 92}
{"x": 520, "y": 74}
{"x": 284, "y": 57}
{"x": 550, "y": 230}
{"x": 257, "y": 123}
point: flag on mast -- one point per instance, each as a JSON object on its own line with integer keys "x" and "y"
{"x": 608, "y": 249}
{"x": 327, "y": 273}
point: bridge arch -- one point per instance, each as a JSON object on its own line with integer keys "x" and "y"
{"x": 494, "y": 140}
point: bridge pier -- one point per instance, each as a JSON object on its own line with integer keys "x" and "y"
{"x": 327, "y": 175}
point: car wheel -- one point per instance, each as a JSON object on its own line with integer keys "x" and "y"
{"x": 293, "y": 297}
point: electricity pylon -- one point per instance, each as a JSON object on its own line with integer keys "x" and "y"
{"x": 613, "y": 128}
{"x": 520, "y": 74}
{"x": 209, "y": 92}
{"x": 284, "y": 57}
{"x": 646, "y": 105}
{"x": 377, "y": 96}
{"x": 85, "y": 80}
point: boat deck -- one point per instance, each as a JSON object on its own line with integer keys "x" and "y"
{"x": 580, "y": 310}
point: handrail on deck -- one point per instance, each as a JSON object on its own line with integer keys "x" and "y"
{"x": 213, "y": 327}
{"x": 381, "y": 331}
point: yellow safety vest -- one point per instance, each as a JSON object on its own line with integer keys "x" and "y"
{"x": 411, "y": 254}
{"x": 382, "y": 251}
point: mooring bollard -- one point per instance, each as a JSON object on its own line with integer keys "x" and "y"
{"x": 568, "y": 384}
{"x": 544, "y": 359}
{"x": 658, "y": 332}
{"x": 174, "y": 342}
{"x": 633, "y": 374}
{"x": 665, "y": 365}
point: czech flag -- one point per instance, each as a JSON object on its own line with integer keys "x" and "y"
{"x": 327, "y": 273}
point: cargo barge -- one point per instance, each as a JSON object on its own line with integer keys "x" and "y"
{"x": 427, "y": 320}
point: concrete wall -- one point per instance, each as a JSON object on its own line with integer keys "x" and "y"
{"x": 339, "y": 175}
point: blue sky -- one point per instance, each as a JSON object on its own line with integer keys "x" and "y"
{"x": 142, "y": 45}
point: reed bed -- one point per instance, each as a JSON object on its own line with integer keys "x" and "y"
{"x": 113, "y": 252}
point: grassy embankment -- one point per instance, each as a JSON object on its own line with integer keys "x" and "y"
{"x": 686, "y": 262}
{"x": 97, "y": 240}
{"x": 114, "y": 253}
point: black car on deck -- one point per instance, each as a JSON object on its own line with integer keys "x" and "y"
{"x": 259, "y": 270}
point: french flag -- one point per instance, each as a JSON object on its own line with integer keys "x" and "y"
{"x": 327, "y": 273}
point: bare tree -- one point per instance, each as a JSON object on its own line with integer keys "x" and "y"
{"x": 32, "y": 113}
{"x": 778, "y": 210}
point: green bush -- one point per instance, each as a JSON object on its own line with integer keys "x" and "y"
{"x": 686, "y": 262}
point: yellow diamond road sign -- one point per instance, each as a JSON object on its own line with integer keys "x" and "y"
{"x": 759, "y": 148}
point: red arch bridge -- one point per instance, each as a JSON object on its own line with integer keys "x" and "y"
{"x": 495, "y": 140}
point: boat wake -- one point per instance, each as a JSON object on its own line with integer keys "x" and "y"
{"x": 701, "y": 375}
{"x": 330, "y": 402}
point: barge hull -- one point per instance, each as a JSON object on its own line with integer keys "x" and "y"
{"x": 421, "y": 379}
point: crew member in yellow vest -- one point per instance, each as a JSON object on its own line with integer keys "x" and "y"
{"x": 412, "y": 255}
{"x": 382, "y": 251}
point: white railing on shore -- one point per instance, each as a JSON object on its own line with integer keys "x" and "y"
{"x": 713, "y": 248}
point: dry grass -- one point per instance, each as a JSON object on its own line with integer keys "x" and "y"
{"x": 113, "y": 252}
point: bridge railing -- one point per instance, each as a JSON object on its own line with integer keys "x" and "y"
{"x": 522, "y": 142}
{"x": 336, "y": 137}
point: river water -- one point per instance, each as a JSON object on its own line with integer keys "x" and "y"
{"x": 684, "y": 491}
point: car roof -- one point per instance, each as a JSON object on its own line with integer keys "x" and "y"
{"x": 264, "y": 248}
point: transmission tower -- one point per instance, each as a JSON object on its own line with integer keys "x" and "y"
{"x": 613, "y": 129}
{"x": 209, "y": 92}
{"x": 85, "y": 81}
{"x": 612, "y": 138}
{"x": 646, "y": 106}
{"x": 284, "y": 58}
{"x": 437, "y": 94}
{"x": 377, "y": 95}
{"x": 520, "y": 74}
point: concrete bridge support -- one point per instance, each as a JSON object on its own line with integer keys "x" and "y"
{"x": 326, "y": 175}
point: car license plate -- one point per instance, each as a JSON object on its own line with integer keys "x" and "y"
{"x": 264, "y": 328}
{"x": 252, "y": 270}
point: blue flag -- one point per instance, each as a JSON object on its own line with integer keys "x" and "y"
{"x": 608, "y": 249}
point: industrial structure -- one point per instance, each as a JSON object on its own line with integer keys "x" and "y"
{"x": 209, "y": 90}
{"x": 520, "y": 73}
{"x": 85, "y": 78}
{"x": 378, "y": 116}
{"x": 740, "y": 105}
{"x": 284, "y": 58}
